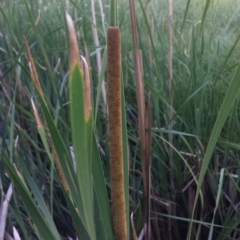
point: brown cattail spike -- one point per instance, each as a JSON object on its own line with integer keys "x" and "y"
{"x": 115, "y": 132}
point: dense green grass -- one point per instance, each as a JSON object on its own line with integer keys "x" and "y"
{"x": 206, "y": 55}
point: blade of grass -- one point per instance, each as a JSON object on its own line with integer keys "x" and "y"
{"x": 98, "y": 54}
{"x": 185, "y": 14}
{"x": 206, "y": 8}
{"x": 103, "y": 214}
{"x": 220, "y": 188}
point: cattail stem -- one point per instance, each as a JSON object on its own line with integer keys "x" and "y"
{"x": 115, "y": 132}
{"x": 113, "y": 12}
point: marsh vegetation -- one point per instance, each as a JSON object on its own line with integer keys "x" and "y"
{"x": 180, "y": 123}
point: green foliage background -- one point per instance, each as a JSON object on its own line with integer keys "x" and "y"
{"x": 206, "y": 108}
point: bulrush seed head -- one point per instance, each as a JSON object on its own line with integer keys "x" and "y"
{"x": 115, "y": 132}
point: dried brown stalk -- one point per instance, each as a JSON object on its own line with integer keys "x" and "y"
{"x": 36, "y": 81}
{"x": 98, "y": 54}
{"x": 144, "y": 139}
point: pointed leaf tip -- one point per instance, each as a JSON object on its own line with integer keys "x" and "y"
{"x": 87, "y": 88}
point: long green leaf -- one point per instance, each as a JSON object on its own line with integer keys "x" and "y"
{"x": 103, "y": 222}
{"x": 81, "y": 137}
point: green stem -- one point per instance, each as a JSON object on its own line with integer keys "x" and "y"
{"x": 113, "y": 13}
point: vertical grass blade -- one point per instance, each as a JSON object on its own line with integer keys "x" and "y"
{"x": 98, "y": 53}
{"x": 102, "y": 212}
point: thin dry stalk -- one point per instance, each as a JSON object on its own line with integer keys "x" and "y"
{"x": 170, "y": 112}
{"x": 191, "y": 197}
{"x": 147, "y": 163}
{"x": 151, "y": 22}
{"x": 102, "y": 16}
{"x": 138, "y": 67}
{"x": 36, "y": 81}
{"x": 115, "y": 132}
{"x": 134, "y": 233}
{"x": 98, "y": 54}
{"x": 133, "y": 24}
{"x": 15, "y": 234}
